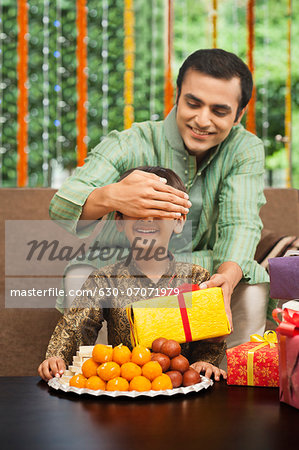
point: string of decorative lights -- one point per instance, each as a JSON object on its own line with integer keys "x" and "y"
{"x": 105, "y": 68}
{"x": 250, "y": 119}
{"x": 235, "y": 8}
{"x": 153, "y": 71}
{"x": 46, "y": 101}
{"x": 214, "y": 15}
{"x": 264, "y": 89}
{"x": 129, "y": 59}
{"x": 168, "y": 89}
{"x": 288, "y": 98}
{"x": 185, "y": 28}
{"x": 58, "y": 86}
{"x": 2, "y": 118}
{"x": 81, "y": 53}
{"x": 22, "y": 70}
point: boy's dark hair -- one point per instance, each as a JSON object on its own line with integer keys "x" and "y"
{"x": 220, "y": 64}
{"x": 172, "y": 178}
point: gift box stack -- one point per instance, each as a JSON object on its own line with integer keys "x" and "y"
{"x": 273, "y": 360}
{"x": 284, "y": 284}
{"x": 288, "y": 339}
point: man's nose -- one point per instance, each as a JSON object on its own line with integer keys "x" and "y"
{"x": 203, "y": 118}
{"x": 148, "y": 219}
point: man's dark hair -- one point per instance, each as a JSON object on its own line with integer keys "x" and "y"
{"x": 172, "y": 178}
{"x": 220, "y": 64}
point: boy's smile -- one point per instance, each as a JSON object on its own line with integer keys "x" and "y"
{"x": 145, "y": 229}
{"x": 150, "y": 233}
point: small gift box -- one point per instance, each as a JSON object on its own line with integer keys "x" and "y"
{"x": 190, "y": 315}
{"x": 254, "y": 363}
{"x": 288, "y": 340}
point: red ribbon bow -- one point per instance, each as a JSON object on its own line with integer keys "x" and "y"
{"x": 289, "y": 326}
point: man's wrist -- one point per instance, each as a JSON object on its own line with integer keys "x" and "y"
{"x": 232, "y": 272}
{"x": 106, "y": 198}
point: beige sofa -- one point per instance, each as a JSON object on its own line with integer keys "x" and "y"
{"x": 24, "y": 333}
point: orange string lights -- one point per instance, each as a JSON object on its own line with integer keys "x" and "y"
{"x": 214, "y": 23}
{"x": 129, "y": 60}
{"x": 22, "y": 69}
{"x": 168, "y": 86}
{"x": 81, "y": 53}
{"x": 250, "y": 120}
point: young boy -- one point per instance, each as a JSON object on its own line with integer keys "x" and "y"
{"x": 148, "y": 269}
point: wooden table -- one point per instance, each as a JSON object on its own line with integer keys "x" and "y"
{"x": 34, "y": 416}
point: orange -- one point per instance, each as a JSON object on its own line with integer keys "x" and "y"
{"x": 140, "y": 384}
{"x": 161, "y": 383}
{"x": 108, "y": 370}
{"x": 95, "y": 383}
{"x": 78, "y": 381}
{"x": 151, "y": 370}
{"x": 89, "y": 368}
{"x": 117, "y": 384}
{"x": 121, "y": 354}
{"x": 102, "y": 353}
{"x": 140, "y": 355}
{"x": 130, "y": 370}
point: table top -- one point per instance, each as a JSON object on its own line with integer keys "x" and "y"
{"x": 35, "y": 416}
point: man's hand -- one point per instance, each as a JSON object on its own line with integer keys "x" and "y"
{"x": 140, "y": 194}
{"x": 227, "y": 277}
{"x": 51, "y": 367}
{"x": 208, "y": 370}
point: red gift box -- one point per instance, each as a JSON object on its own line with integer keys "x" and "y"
{"x": 288, "y": 339}
{"x": 254, "y": 363}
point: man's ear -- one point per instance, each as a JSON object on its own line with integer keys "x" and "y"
{"x": 243, "y": 111}
{"x": 119, "y": 222}
{"x": 179, "y": 224}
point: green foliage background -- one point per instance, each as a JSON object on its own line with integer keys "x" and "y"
{"x": 192, "y": 30}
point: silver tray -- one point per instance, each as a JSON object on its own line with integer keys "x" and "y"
{"x": 57, "y": 384}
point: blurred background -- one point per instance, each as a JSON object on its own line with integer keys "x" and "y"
{"x": 71, "y": 71}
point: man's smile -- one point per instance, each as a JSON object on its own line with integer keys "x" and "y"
{"x": 200, "y": 132}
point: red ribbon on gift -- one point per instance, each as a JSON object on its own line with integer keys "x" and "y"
{"x": 289, "y": 326}
{"x": 183, "y": 308}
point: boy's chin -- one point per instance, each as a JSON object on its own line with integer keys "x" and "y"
{"x": 150, "y": 250}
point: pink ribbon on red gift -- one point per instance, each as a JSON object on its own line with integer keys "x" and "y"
{"x": 183, "y": 308}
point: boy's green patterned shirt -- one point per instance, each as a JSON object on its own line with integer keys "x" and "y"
{"x": 226, "y": 191}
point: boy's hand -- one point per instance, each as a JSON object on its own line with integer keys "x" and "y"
{"x": 51, "y": 367}
{"x": 209, "y": 369}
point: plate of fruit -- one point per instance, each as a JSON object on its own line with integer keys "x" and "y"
{"x": 103, "y": 370}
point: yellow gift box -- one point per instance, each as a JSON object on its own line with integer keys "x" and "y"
{"x": 170, "y": 317}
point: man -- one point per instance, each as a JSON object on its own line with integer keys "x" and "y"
{"x": 221, "y": 165}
